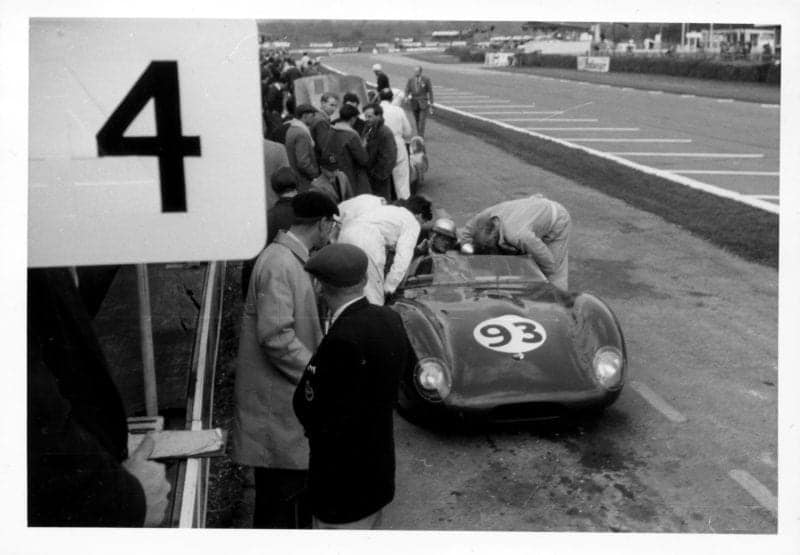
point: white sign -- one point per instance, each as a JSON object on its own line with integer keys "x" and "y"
{"x": 145, "y": 141}
{"x": 498, "y": 59}
{"x": 510, "y": 334}
{"x": 594, "y": 63}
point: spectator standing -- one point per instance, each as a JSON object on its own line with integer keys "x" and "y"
{"x": 382, "y": 151}
{"x": 534, "y": 225}
{"x": 280, "y": 216}
{"x": 300, "y": 146}
{"x": 280, "y": 330}
{"x": 275, "y": 158}
{"x": 346, "y": 397}
{"x": 332, "y": 181}
{"x": 320, "y": 126}
{"x": 395, "y": 119}
{"x": 349, "y": 152}
{"x": 381, "y": 79}
{"x": 352, "y": 99}
{"x": 419, "y": 92}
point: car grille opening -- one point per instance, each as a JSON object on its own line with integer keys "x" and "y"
{"x": 525, "y": 412}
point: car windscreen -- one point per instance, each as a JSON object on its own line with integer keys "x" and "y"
{"x": 455, "y": 268}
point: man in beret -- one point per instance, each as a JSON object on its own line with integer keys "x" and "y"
{"x": 346, "y": 397}
{"x": 300, "y": 146}
{"x": 280, "y": 217}
{"x": 280, "y": 331}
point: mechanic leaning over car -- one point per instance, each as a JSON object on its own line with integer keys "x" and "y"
{"x": 375, "y": 227}
{"x": 346, "y": 396}
{"x": 535, "y": 225}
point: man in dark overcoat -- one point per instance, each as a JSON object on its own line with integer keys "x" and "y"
{"x": 382, "y": 152}
{"x": 347, "y": 394}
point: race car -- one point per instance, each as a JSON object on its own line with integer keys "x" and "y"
{"x": 494, "y": 339}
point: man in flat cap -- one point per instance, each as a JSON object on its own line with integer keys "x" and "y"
{"x": 346, "y": 397}
{"x": 280, "y": 331}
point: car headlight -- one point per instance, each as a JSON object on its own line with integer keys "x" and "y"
{"x": 607, "y": 367}
{"x": 432, "y": 379}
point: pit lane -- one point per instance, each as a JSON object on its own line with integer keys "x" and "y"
{"x": 701, "y": 328}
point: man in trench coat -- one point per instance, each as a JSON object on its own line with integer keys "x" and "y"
{"x": 280, "y": 331}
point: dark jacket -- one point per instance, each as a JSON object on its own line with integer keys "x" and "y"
{"x": 382, "y": 151}
{"x": 77, "y": 429}
{"x": 322, "y": 134}
{"x": 345, "y": 401}
{"x": 351, "y": 156}
{"x": 381, "y": 80}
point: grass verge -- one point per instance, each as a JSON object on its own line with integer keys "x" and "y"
{"x": 746, "y": 231}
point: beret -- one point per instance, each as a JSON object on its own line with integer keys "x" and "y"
{"x": 339, "y": 264}
{"x": 313, "y": 205}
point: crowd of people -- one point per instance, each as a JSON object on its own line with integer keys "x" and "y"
{"x": 319, "y": 357}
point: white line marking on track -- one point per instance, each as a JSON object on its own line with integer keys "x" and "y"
{"x": 658, "y": 402}
{"x": 767, "y": 458}
{"x": 479, "y": 102}
{"x": 627, "y": 89}
{"x": 724, "y": 100}
{"x": 587, "y": 120}
{"x": 581, "y": 128}
{"x": 517, "y": 112}
{"x": 602, "y": 85}
{"x": 503, "y": 106}
{"x": 594, "y": 140}
{"x": 463, "y": 95}
{"x": 686, "y": 181}
{"x": 724, "y": 172}
{"x": 689, "y": 154}
{"x": 655, "y": 92}
{"x": 755, "y": 488}
{"x": 770, "y": 105}
{"x": 688, "y": 96}
{"x": 766, "y": 197}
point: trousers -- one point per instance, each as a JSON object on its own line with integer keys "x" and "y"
{"x": 281, "y": 499}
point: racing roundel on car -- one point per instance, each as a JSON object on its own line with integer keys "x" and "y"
{"x": 510, "y": 333}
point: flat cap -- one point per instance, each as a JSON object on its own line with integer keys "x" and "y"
{"x": 339, "y": 264}
{"x": 313, "y": 205}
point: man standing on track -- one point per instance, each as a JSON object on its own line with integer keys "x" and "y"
{"x": 381, "y": 79}
{"x": 280, "y": 330}
{"x": 346, "y": 397}
{"x": 419, "y": 91}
